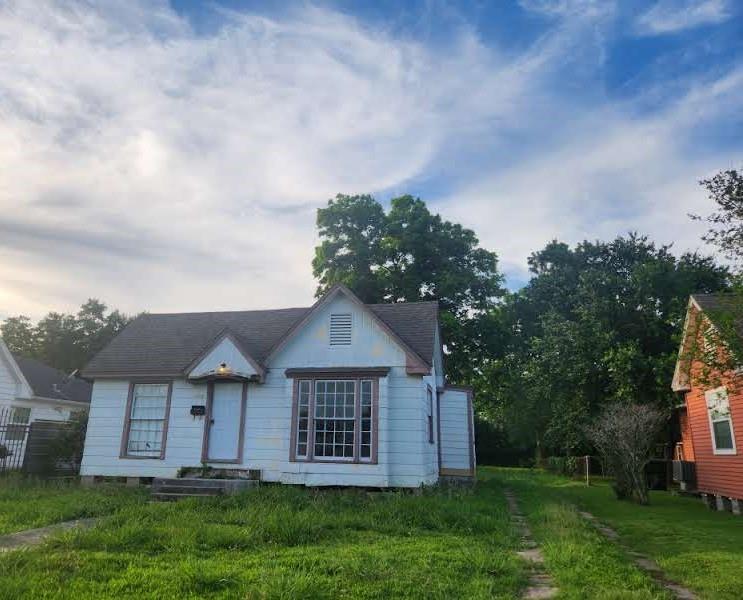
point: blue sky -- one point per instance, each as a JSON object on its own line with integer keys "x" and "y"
{"x": 171, "y": 156}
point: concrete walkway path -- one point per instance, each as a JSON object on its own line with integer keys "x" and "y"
{"x": 540, "y": 583}
{"x": 641, "y": 561}
{"x": 34, "y": 537}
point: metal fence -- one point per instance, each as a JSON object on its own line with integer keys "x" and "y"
{"x": 50, "y": 449}
{"x": 14, "y": 430}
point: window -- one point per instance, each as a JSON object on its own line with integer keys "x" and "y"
{"x": 366, "y": 420}
{"x": 303, "y": 417}
{"x": 335, "y": 420}
{"x": 16, "y": 430}
{"x": 721, "y": 425}
{"x": 430, "y": 416}
{"x": 340, "y": 329}
{"x": 145, "y": 428}
{"x": 21, "y": 415}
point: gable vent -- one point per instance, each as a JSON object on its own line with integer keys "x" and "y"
{"x": 340, "y": 329}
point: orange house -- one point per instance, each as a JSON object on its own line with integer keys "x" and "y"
{"x": 709, "y": 457}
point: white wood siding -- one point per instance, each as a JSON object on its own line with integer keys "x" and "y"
{"x": 456, "y": 446}
{"x": 224, "y": 352}
{"x": 405, "y": 457}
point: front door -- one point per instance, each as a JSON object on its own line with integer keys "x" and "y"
{"x": 226, "y": 422}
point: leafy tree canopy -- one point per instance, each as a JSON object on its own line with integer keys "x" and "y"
{"x": 64, "y": 341}
{"x": 409, "y": 254}
{"x": 597, "y": 323}
{"x": 725, "y": 189}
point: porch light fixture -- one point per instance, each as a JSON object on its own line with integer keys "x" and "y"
{"x": 223, "y": 369}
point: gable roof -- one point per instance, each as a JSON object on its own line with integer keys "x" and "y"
{"x": 715, "y": 308}
{"x": 48, "y": 382}
{"x": 167, "y": 344}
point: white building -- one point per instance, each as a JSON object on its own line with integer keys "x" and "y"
{"x": 30, "y": 391}
{"x": 342, "y": 393}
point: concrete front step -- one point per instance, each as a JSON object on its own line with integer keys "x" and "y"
{"x": 187, "y": 489}
{"x": 190, "y": 482}
{"x": 177, "y": 496}
{"x": 173, "y": 489}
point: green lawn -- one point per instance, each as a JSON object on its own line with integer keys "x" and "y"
{"x": 287, "y": 542}
{"x": 699, "y": 548}
{"x": 24, "y": 504}
{"x": 284, "y": 542}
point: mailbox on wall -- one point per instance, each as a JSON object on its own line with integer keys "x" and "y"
{"x": 198, "y": 410}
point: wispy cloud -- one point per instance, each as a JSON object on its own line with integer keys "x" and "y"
{"x": 160, "y": 168}
{"x": 671, "y": 16}
{"x": 570, "y": 8}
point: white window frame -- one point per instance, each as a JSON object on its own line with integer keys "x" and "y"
{"x": 13, "y": 418}
{"x": 353, "y": 420}
{"x": 126, "y": 437}
{"x": 429, "y": 415}
{"x": 729, "y": 419}
{"x": 358, "y": 384}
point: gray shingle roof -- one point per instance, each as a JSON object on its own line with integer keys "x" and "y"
{"x": 165, "y": 344}
{"x": 715, "y": 306}
{"x": 48, "y": 382}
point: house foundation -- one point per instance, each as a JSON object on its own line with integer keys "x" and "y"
{"x": 736, "y": 506}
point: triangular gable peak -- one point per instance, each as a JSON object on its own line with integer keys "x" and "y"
{"x": 696, "y": 320}
{"x": 415, "y": 364}
{"x": 23, "y": 388}
{"x": 682, "y": 371}
{"x": 225, "y": 358}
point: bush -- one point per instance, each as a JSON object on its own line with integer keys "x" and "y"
{"x": 624, "y": 435}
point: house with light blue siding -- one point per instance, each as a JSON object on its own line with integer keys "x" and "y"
{"x": 338, "y": 394}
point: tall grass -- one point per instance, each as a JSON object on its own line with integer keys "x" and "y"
{"x": 285, "y": 542}
{"x": 27, "y": 503}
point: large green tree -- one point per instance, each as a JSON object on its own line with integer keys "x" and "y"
{"x": 725, "y": 231}
{"x": 597, "y": 323}
{"x": 64, "y": 341}
{"x": 406, "y": 254}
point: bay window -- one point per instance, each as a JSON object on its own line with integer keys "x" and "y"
{"x": 334, "y": 420}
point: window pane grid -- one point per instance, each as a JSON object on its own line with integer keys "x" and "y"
{"x": 718, "y": 406}
{"x": 303, "y": 418}
{"x": 147, "y": 419}
{"x": 365, "y": 405}
{"x": 334, "y": 419}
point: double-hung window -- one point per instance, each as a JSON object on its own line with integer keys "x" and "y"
{"x": 335, "y": 420}
{"x": 18, "y": 426}
{"x": 146, "y": 420}
{"x": 720, "y": 421}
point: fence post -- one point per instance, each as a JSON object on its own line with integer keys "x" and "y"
{"x": 588, "y": 470}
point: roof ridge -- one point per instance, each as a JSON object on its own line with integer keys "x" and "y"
{"x": 222, "y": 312}
{"x": 258, "y": 310}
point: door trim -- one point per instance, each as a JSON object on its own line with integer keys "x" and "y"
{"x": 207, "y": 426}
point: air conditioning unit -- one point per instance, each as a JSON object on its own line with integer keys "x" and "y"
{"x": 685, "y": 474}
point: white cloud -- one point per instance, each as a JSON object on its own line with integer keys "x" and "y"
{"x": 570, "y": 8}
{"x": 671, "y": 16}
{"x": 159, "y": 168}
{"x": 609, "y": 173}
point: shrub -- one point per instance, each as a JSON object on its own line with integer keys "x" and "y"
{"x": 624, "y": 435}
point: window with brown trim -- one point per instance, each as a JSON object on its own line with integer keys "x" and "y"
{"x": 146, "y": 420}
{"x": 335, "y": 420}
{"x": 430, "y": 416}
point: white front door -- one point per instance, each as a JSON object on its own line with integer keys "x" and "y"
{"x": 224, "y": 432}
